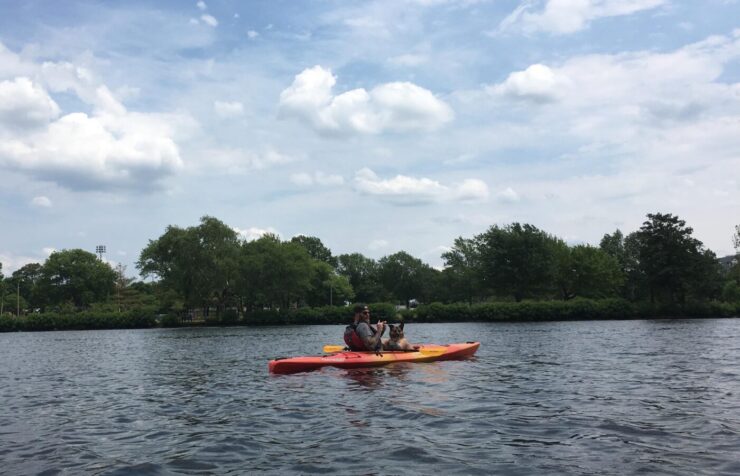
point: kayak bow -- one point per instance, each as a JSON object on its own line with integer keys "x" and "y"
{"x": 351, "y": 360}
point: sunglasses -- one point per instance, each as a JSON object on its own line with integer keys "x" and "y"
{"x": 366, "y": 312}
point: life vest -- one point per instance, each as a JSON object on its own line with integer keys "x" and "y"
{"x": 353, "y": 340}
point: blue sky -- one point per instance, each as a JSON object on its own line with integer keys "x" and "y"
{"x": 376, "y": 126}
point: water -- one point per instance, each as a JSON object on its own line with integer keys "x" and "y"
{"x": 621, "y": 397}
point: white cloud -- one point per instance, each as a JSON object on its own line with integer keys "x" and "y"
{"x": 317, "y": 178}
{"x": 569, "y": 16}
{"x": 209, "y": 20}
{"x": 201, "y": 5}
{"x": 254, "y": 233}
{"x": 48, "y": 250}
{"x": 252, "y": 34}
{"x": 376, "y": 245}
{"x": 228, "y": 109}
{"x": 12, "y": 262}
{"x": 536, "y": 83}
{"x": 508, "y": 195}
{"x": 241, "y": 161}
{"x": 107, "y": 148}
{"x": 41, "y": 202}
{"x": 399, "y": 106}
{"x": 409, "y": 190}
{"x": 24, "y": 105}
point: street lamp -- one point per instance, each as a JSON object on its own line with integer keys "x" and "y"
{"x": 100, "y": 250}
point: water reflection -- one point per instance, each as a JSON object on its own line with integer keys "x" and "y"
{"x": 619, "y": 397}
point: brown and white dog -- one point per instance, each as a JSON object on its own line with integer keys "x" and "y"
{"x": 397, "y": 341}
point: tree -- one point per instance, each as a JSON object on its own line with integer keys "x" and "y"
{"x": 328, "y": 287}
{"x": 27, "y": 279}
{"x": 403, "y": 275}
{"x": 274, "y": 273}
{"x": 75, "y": 276}
{"x": 364, "y": 276}
{"x": 674, "y": 262}
{"x": 463, "y": 272}
{"x": 586, "y": 271}
{"x": 518, "y": 260}
{"x": 200, "y": 263}
{"x": 315, "y": 249}
{"x": 736, "y": 238}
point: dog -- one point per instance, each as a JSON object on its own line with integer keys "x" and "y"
{"x": 397, "y": 341}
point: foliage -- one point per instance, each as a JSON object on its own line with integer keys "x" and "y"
{"x": 463, "y": 273}
{"x": 404, "y": 276}
{"x": 674, "y": 262}
{"x": 364, "y": 276}
{"x": 586, "y": 271}
{"x": 199, "y": 263}
{"x": 75, "y": 276}
{"x": 518, "y": 260}
{"x": 315, "y": 249}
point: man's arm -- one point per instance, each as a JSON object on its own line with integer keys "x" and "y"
{"x": 369, "y": 338}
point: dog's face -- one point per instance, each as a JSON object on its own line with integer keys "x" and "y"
{"x": 396, "y": 331}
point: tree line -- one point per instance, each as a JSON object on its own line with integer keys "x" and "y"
{"x": 210, "y": 267}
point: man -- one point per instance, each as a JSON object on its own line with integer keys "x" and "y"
{"x": 360, "y": 335}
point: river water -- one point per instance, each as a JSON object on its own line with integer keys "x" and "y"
{"x": 618, "y": 397}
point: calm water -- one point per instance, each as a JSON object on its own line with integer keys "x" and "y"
{"x": 625, "y": 397}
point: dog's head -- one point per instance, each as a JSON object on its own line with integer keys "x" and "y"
{"x": 396, "y": 331}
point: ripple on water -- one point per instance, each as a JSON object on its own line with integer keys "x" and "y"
{"x": 621, "y": 397}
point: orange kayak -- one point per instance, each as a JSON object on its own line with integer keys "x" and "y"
{"x": 352, "y": 360}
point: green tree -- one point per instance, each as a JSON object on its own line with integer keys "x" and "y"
{"x": 675, "y": 263}
{"x": 328, "y": 287}
{"x": 75, "y": 276}
{"x": 403, "y": 276}
{"x": 274, "y": 273}
{"x": 463, "y": 271}
{"x": 586, "y": 271}
{"x": 315, "y": 249}
{"x": 363, "y": 274}
{"x": 27, "y": 278}
{"x": 736, "y": 239}
{"x": 518, "y": 260}
{"x": 200, "y": 263}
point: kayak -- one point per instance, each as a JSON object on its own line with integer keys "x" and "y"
{"x": 353, "y": 360}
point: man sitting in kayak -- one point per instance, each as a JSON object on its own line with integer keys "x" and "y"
{"x": 360, "y": 335}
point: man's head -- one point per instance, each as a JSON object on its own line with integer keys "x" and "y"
{"x": 362, "y": 311}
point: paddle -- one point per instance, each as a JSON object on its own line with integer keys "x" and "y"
{"x": 438, "y": 350}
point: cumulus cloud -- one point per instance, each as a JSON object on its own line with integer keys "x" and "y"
{"x": 254, "y": 233}
{"x": 209, "y": 20}
{"x": 228, "y": 109}
{"x": 508, "y": 195}
{"x": 406, "y": 190}
{"x": 252, "y": 34}
{"x": 201, "y": 5}
{"x": 569, "y": 16}
{"x": 398, "y": 106}
{"x": 536, "y": 83}
{"x": 41, "y": 202}
{"x": 25, "y": 105}
{"x": 317, "y": 178}
{"x": 106, "y": 148}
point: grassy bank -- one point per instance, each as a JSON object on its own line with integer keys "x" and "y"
{"x": 577, "y": 309}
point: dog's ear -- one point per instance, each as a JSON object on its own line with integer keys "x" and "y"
{"x": 401, "y": 325}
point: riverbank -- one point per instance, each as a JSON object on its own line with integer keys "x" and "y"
{"x": 527, "y": 311}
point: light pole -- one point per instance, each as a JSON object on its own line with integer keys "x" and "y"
{"x": 100, "y": 250}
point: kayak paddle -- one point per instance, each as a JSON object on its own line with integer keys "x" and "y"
{"x": 437, "y": 350}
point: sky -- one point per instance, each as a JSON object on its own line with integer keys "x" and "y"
{"x": 377, "y": 126}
